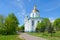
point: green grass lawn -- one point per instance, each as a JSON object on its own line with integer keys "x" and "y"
{"x": 9, "y": 37}
{"x": 55, "y": 36}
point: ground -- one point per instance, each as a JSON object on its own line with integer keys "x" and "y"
{"x": 55, "y": 36}
{"x": 9, "y": 37}
{"x": 21, "y": 36}
{"x": 30, "y": 37}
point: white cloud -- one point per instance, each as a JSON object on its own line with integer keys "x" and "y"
{"x": 20, "y": 5}
{"x": 51, "y": 9}
{"x": 22, "y": 13}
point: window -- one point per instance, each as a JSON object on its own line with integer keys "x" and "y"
{"x": 32, "y": 23}
{"x": 38, "y": 21}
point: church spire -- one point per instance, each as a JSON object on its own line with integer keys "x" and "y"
{"x": 35, "y": 7}
{"x": 35, "y": 10}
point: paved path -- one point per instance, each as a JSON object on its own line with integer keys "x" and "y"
{"x": 30, "y": 37}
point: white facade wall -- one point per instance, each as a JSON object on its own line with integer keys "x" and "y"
{"x": 29, "y": 27}
{"x": 26, "y": 26}
{"x": 35, "y": 14}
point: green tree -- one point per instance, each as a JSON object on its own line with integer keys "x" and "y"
{"x": 20, "y": 28}
{"x": 38, "y": 27}
{"x": 11, "y": 23}
{"x": 51, "y": 29}
{"x": 56, "y": 24}
{"x": 42, "y": 27}
{"x": 45, "y": 23}
{"x": 2, "y": 19}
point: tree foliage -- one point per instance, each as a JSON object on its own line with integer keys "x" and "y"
{"x": 2, "y": 19}
{"x": 38, "y": 27}
{"x": 11, "y": 23}
{"x": 46, "y": 21}
{"x": 20, "y": 28}
{"x": 44, "y": 24}
{"x": 56, "y": 24}
{"x": 50, "y": 29}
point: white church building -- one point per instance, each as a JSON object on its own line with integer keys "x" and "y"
{"x": 30, "y": 23}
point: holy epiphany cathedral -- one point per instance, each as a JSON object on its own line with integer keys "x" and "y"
{"x": 30, "y": 23}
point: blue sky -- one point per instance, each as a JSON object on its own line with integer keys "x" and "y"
{"x": 47, "y": 8}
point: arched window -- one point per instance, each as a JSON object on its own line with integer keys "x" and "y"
{"x": 32, "y": 23}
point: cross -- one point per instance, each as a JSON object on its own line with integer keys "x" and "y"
{"x": 35, "y": 2}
